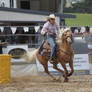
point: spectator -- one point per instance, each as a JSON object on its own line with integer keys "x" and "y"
{"x": 32, "y": 37}
{"x": 72, "y": 29}
{"x": 20, "y": 38}
{"x": 7, "y": 31}
{"x": 82, "y": 30}
{"x": 91, "y": 30}
{"x": 76, "y": 31}
{"x": 2, "y": 42}
{"x": 88, "y": 38}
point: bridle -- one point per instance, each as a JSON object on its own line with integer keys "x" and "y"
{"x": 66, "y": 53}
{"x": 66, "y": 36}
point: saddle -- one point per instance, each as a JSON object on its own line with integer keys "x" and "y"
{"x": 46, "y": 48}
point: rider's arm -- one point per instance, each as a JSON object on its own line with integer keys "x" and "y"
{"x": 44, "y": 29}
{"x": 57, "y": 29}
{"x": 83, "y": 35}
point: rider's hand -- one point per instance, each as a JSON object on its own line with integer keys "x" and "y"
{"x": 46, "y": 31}
{"x": 53, "y": 34}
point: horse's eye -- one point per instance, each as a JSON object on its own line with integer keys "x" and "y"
{"x": 64, "y": 34}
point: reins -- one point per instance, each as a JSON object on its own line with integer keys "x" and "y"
{"x": 65, "y": 52}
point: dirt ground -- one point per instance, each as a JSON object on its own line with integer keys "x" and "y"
{"x": 45, "y": 84}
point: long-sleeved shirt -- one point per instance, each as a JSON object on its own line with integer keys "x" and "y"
{"x": 52, "y": 29}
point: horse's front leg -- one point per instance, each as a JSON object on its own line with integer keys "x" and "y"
{"x": 46, "y": 71}
{"x": 66, "y": 71}
{"x": 71, "y": 66}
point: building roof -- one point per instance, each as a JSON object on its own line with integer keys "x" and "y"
{"x": 36, "y": 12}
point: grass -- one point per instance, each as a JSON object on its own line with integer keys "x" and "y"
{"x": 81, "y": 20}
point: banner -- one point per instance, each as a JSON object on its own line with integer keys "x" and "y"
{"x": 2, "y": 29}
{"x": 13, "y": 30}
{"x": 26, "y": 29}
{"x": 37, "y": 28}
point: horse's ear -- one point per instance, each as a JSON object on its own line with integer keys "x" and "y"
{"x": 61, "y": 30}
{"x": 59, "y": 36}
{"x": 62, "y": 37}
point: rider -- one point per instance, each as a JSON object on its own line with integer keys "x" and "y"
{"x": 51, "y": 29}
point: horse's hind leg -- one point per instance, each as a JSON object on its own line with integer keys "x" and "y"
{"x": 46, "y": 70}
{"x": 55, "y": 67}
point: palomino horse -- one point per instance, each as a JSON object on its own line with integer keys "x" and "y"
{"x": 64, "y": 54}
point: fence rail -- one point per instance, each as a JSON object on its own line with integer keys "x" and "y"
{"x": 29, "y": 34}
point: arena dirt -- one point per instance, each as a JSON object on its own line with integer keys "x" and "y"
{"x": 45, "y": 84}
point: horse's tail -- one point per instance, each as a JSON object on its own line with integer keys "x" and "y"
{"x": 30, "y": 56}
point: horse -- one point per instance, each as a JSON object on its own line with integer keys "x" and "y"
{"x": 64, "y": 54}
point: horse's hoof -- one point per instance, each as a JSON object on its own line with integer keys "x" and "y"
{"x": 66, "y": 80}
{"x": 64, "y": 75}
{"x": 69, "y": 74}
{"x": 54, "y": 79}
{"x": 58, "y": 80}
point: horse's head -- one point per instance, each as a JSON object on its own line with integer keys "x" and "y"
{"x": 66, "y": 36}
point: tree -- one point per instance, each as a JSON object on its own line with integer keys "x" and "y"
{"x": 88, "y": 6}
{"x": 80, "y": 7}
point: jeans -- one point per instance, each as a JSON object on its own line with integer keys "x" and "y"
{"x": 41, "y": 47}
{"x": 52, "y": 44}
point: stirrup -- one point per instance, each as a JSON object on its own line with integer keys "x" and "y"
{"x": 41, "y": 53}
{"x": 51, "y": 61}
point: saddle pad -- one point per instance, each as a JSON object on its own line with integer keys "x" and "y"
{"x": 47, "y": 45}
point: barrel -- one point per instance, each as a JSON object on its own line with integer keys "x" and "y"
{"x": 5, "y": 68}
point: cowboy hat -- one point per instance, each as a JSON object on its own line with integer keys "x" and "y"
{"x": 51, "y": 16}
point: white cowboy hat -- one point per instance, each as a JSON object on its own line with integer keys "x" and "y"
{"x": 51, "y": 16}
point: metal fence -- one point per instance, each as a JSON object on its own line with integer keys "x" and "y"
{"x": 33, "y": 40}
{"x": 29, "y": 34}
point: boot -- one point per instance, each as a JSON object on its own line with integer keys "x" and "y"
{"x": 51, "y": 60}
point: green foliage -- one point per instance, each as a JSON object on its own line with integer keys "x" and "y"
{"x": 81, "y": 20}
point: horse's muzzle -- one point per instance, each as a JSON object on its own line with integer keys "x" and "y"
{"x": 69, "y": 41}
